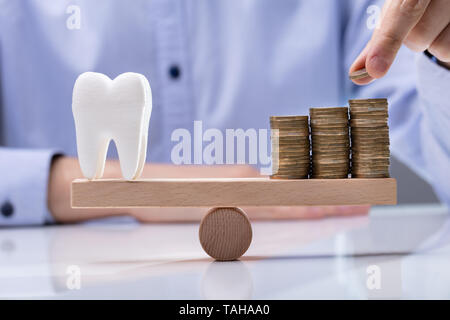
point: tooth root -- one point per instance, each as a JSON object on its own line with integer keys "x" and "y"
{"x": 142, "y": 157}
{"x": 92, "y": 152}
{"x": 129, "y": 150}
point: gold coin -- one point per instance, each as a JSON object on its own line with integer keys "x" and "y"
{"x": 363, "y": 157}
{"x": 329, "y": 109}
{"x": 329, "y": 176}
{"x": 328, "y": 121}
{"x": 327, "y": 144}
{"x": 289, "y": 127}
{"x": 374, "y": 135}
{"x": 342, "y": 159}
{"x": 326, "y": 116}
{"x": 284, "y": 157}
{"x": 290, "y": 132}
{"x": 334, "y": 151}
{"x": 302, "y": 166}
{"x": 330, "y": 146}
{"x": 289, "y": 151}
{"x": 288, "y": 177}
{"x": 283, "y": 142}
{"x": 289, "y": 138}
{"x": 292, "y": 171}
{"x": 370, "y": 176}
{"x": 281, "y": 118}
{"x": 330, "y": 137}
{"x": 367, "y": 122}
{"x": 370, "y": 171}
{"x": 326, "y": 138}
{"x": 359, "y": 74}
{"x": 370, "y": 144}
{"x": 369, "y": 109}
{"x": 364, "y": 101}
{"x": 357, "y": 158}
{"x": 298, "y": 168}
{"x": 370, "y": 117}
{"x": 374, "y": 162}
{"x": 363, "y": 113}
{"x": 330, "y": 173}
{"x": 366, "y": 130}
{"x": 369, "y": 137}
{"x": 287, "y": 144}
{"x": 330, "y": 134}
{"x": 288, "y": 161}
{"x": 290, "y": 148}
{"x": 330, "y": 168}
{"x": 367, "y": 148}
{"x": 316, "y": 128}
{"x": 328, "y": 160}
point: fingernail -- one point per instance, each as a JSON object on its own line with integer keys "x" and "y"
{"x": 378, "y": 64}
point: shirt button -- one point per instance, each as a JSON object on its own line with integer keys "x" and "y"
{"x": 174, "y": 72}
{"x": 7, "y": 209}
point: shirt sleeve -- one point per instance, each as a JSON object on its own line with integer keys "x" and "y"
{"x": 418, "y": 91}
{"x": 23, "y": 186}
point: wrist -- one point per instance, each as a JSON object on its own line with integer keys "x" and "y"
{"x": 63, "y": 171}
{"x": 54, "y": 185}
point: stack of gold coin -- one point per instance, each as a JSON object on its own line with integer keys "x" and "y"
{"x": 290, "y": 147}
{"x": 330, "y": 143}
{"x": 369, "y": 138}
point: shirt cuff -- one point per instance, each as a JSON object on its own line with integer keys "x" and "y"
{"x": 23, "y": 187}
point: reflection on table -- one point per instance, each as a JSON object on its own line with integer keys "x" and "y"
{"x": 409, "y": 247}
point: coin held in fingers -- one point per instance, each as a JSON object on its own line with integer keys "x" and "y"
{"x": 359, "y": 74}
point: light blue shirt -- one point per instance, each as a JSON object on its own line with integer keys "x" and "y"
{"x": 239, "y": 62}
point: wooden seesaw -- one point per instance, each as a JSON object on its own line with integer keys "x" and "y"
{"x": 225, "y": 231}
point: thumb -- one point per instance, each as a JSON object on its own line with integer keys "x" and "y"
{"x": 382, "y": 53}
{"x": 359, "y": 64}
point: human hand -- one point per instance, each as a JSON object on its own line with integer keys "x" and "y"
{"x": 419, "y": 24}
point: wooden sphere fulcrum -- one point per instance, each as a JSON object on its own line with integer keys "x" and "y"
{"x": 225, "y": 233}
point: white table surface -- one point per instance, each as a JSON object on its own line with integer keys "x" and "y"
{"x": 410, "y": 247}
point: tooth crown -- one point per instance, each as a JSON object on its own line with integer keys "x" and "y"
{"x": 106, "y": 110}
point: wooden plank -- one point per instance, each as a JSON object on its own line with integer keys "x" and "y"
{"x": 115, "y": 193}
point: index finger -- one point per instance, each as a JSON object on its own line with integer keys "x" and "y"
{"x": 398, "y": 19}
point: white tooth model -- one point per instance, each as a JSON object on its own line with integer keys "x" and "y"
{"x": 106, "y": 110}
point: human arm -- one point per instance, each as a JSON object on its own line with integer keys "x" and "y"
{"x": 419, "y": 93}
{"x": 24, "y": 174}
